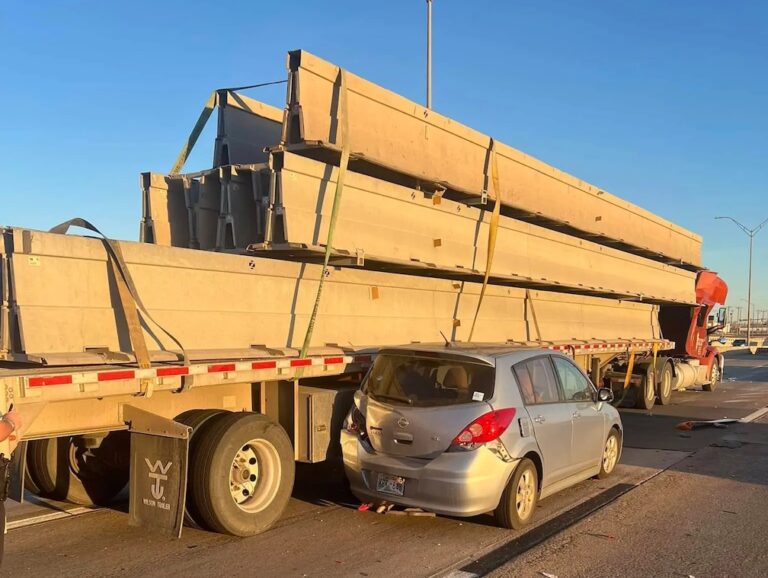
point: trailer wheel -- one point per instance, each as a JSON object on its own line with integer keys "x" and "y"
{"x": 665, "y": 384}
{"x": 714, "y": 377}
{"x": 242, "y": 474}
{"x": 198, "y": 420}
{"x": 645, "y": 393}
{"x": 66, "y": 468}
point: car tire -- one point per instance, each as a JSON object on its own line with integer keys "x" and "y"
{"x": 198, "y": 420}
{"x": 715, "y": 378}
{"x": 257, "y": 451}
{"x": 64, "y": 468}
{"x": 664, "y": 393}
{"x": 519, "y": 499}
{"x": 611, "y": 454}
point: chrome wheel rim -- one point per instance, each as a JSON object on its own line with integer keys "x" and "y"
{"x": 610, "y": 454}
{"x": 525, "y": 494}
{"x": 255, "y": 475}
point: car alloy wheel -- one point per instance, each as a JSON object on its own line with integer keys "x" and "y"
{"x": 525, "y": 495}
{"x": 610, "y": 454}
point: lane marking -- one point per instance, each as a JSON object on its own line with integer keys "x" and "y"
{"x": 504, "y": 551}
{"x": 755, "y": 415}
{"x": 47, "y": 517}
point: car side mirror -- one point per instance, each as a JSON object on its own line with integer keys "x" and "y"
{"x": 605, "y": 394}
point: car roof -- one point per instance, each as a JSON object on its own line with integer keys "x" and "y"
{"x": 486, "y": 352}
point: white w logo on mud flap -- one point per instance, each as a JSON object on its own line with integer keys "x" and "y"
{"x": 158, "y": 472}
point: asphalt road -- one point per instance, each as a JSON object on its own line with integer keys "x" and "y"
{"x": 702, "y": 517}
{"x": 668, "y": 510}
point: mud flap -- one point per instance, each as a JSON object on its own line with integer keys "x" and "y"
{"x": 18, "y": 472}
{"x": 158, "y": 485}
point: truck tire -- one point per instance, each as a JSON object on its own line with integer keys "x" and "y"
{"x": 29, "y": 483}
{"x": 242, "y": 474}
{"x": 714, "y": 377}
{"x": 518, "y": 501}
{"x": 645, "y": 393}
{"x": 65, "y": 469}
{"x": 664, "y": 393}
{"x": 198, "y": 420}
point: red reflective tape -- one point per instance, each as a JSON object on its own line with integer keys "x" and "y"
{"x": 300, "y": 362}
{"x": 264, "y": 365}
{"x": 221, "y": 367}
{"x": 50, "y": 380}
{"x": 113, "y": 375}
{"x": 330, "y": 360}
{"x": 167, "y": 371}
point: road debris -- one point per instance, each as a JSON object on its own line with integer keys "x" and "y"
{"x": 389, "y": 508}
{"x": 598, "y": 535}
{"x": 718, "y": 423}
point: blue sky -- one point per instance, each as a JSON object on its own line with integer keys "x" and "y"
{"x": 662, "y": 103}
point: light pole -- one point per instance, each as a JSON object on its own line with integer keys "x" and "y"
{"x": 429, "y": 53}
{"x": 751, "y": 234}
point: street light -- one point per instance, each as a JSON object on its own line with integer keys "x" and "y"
{"x": 751, "y": 233}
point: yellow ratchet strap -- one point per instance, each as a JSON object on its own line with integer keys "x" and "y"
{"x": 630, "y": 367}
{"x": 492, "y": 233}
{"x": 344, "y": 122}
{"x": 210, "y": 104}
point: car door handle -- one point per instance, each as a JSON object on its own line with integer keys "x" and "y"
{"x": 575, "y": 415}
{"x": 539, "y": 419}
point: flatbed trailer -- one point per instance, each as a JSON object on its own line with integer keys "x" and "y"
{"x": 211, "y": 434}
{"x": 91, "y": 429}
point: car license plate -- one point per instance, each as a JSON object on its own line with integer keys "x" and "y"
{"x": 390, "y": 484}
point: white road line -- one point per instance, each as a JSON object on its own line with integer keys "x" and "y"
{"x": 39, "y": 519}
{"x": 755, "y": 415}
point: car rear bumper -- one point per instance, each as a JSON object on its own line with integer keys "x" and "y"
{"x": 453, "y": 484}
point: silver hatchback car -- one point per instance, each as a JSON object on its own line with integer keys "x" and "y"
{"x": 464, "y": 430}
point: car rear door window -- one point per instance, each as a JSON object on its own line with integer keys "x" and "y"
{"x": 537, "y": 381}
{"x": 575, "y": 385}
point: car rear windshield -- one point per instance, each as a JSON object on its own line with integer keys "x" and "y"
{"x": 428, "y": 381}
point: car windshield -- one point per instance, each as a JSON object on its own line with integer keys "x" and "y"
{"x": 423, "y": 381}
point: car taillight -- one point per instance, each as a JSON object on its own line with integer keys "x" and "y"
{"x": 484, "y": 429}
{"x": 356, "y": 422}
